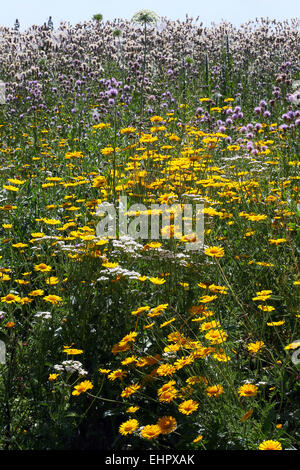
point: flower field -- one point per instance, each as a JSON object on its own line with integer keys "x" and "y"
{"x": 131, "y": 342}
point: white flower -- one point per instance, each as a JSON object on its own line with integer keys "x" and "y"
{"x": 71, "y": 366}
{"x": 102, "y": 278}
{"x": 44, "y": 315}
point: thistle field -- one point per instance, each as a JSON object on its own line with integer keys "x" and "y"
{"x": 130, "y": 343}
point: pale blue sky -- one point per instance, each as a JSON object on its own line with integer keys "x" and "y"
{"x": 236, "y": 11}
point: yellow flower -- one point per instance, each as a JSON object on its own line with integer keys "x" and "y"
{"x": 51, "y": 281}
{"x": 104, "y": 371}
{"x": 127, "y": 130}
{"x": 262, "y": 297}
{"x": 129, "y": 360}
{"x": 108, "y": 150}
{"x": 257, "y": 218}
{"x": 37, "y": 235}
{"x": 82, "y": 387}
{"x": 36, "y": 293}
{"x": 197, "y": 439}
{"x": 157, "y": 280}
{"x": 10, "y": 188}
{"x": 130, "y": 390}
{"x": 99, "y": 181}
{"x": 168, "y": 395}
{"x": 188, "y": 407}
{"x": 207, "y": 298}
{"x": 109, "y": 265}
{"x": 270, "y": 445}
{"x": 117, "y": 374}
{"x": 42, "y": 267}
{"x": 132, "y": 409}
{"x": 248, "y": 390}
{"x": 51, "y": 221}
{"x": 276, "y": 323}
{"x": 167, "y": 386}
{"x": 217, "y": 289}
{"x": 10, "y": 298}
{"x": 266, "y": 308}
{"x": 166, "y": 369}
{"x": 53, "y": 299}
{"x": 16, "y": 181}
{"x": 216, "y": 336}
{"x": 151, "y": 431}
{"x": 171, "y": 348}
{"x": 167, "y": 424}
{"x": 167, "y": 322}
{"x": 140, "y": 310}
{"x": 152, "y": 245}
{"x": 129, "y": 338}
{"x": 120, "y": 347}
{"x": 214, "y": 390}
{"x": 180, "y": 363}
{"x": 247, "y": 415}
{"x": 128, "y": 427}
{"x": 156, "y": 119}
{"x": 209, "y": 325}
{"x": 25, "y": 300}
{"x": 74, "y": 154}
{"x": 221, "y": 357}
{"x": 154, "y": 312}
{"x": 167, "y": 392}
{"x": 255, "y": 347}
{"x": 277, "y": 241}
{"x": 101, "y": 125}
{"x": 215, "y": 251}
{"x": 52, "y": 377}
{"x": 196, "y": 379}
{"x": 72, "y": 352}
{"x": 21, "y": 282}
{"x": 294, "y": 345}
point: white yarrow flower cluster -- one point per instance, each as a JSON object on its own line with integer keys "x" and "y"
{"x": 71, "y": 366}
{"x": 43, "y": 315}
{"x": 119, "y": 271}
{"x": 127, "y": 244}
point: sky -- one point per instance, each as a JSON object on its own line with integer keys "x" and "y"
{"x": 31, "y": 12}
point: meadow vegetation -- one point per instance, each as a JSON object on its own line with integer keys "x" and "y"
{"x": 127, "y": 343}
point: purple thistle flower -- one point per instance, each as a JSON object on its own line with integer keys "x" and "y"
{"x": 113, "y": 92}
